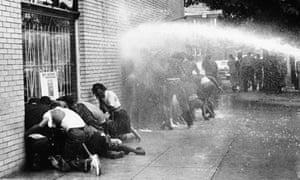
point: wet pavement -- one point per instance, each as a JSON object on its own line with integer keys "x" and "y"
{"x": 246, "y": 140}
{"x": 266, "y": 142}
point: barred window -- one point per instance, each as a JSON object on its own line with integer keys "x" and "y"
{"x": 48, "y": 46}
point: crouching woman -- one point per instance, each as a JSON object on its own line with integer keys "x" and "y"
{"x": 119, "y": 125}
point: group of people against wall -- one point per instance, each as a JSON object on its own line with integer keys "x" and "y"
{"x": 71, "y": 136}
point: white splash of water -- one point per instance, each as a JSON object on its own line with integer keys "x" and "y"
{"x": 176, "y": 35}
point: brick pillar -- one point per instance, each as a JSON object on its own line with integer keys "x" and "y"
{"x": 11, "y": 88}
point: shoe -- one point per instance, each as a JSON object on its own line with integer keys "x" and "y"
{"x": 163, "y": 125}
{"x": 54, "y": 162}
{"x": 87, "y": 165}
{"x": 59, "y": 163}
{"x": 95, "y": 165}
{"x": 213, "y": 115}
{"x": 170, "y": 127}
{"x": 140, "y": 151}
{"x": 115, "y": 155}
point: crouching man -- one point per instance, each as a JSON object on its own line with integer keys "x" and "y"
{"x": 75, "y": 157}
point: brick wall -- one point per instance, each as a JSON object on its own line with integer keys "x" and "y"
{"x": 11, "y": 87}
{"x": 100, "y": 25}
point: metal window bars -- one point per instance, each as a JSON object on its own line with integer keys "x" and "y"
{"x": 46, "y": 48}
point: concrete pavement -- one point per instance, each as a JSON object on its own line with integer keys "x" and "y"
{"x": 285, "y": 99}
{"x": 243, "y": 142}
{"x": 183, "y": 153}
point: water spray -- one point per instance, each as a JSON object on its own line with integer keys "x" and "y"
{"x": 168, "y": 35}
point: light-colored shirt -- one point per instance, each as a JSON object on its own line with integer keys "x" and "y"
{"x": 96, "y": 112}
{"x": 68, "y": 119}
{"x": 112, "y": 99}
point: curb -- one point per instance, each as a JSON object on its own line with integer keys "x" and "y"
{"x": 271, "y": 101}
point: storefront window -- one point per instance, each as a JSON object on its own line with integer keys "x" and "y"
{"x": 47, "y": 43}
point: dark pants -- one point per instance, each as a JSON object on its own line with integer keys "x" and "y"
{"x": 248, "y": 77}
{"x": 37, "y": 153}
{"x": 74, "y": 153}
{"x": 38, "y": 150}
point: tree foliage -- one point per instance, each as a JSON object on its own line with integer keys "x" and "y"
{"x": 281, "y": 13}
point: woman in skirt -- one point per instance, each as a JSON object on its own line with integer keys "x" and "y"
{"x": 119, "y": 125}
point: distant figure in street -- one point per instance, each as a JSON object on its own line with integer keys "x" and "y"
{"x": 233, "y": 70}
{"x": 247, "y": 72}
{"x": 258, "y": 71}
{"x": 238, "y": 65}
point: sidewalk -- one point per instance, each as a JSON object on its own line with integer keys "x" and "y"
{"x": 234, "y": 145}
{"x": 181, "y": 153}
{"x": 286, "y": 99}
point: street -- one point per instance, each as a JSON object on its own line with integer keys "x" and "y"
{"x": 244, "y": 141}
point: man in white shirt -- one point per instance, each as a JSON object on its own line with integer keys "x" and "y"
{"x": 94, "y": 117}
{"x": 77, "y": 134}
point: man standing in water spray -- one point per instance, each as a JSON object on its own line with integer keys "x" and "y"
{"x": 208, "y": 86}
{"x": 187, "y": 90}
{"x": 179, "y": 84}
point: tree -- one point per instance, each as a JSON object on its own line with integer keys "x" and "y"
{"x": 282, "y": 14}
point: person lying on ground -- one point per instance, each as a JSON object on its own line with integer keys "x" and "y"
{"x": 119, "y": 126}
{"x": 94, "y": 117}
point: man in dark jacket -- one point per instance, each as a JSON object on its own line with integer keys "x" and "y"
{"x": 42, "y": 142}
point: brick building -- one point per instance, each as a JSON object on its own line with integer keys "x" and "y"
{"x": 79, "y": 41}
{"x": 201, "y": 14}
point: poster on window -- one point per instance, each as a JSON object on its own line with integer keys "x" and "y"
{"x": 49, "y": 84}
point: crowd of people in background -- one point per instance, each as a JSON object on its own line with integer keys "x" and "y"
{"x": 257, "y": 73}
{"x": 173, "y": 87}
